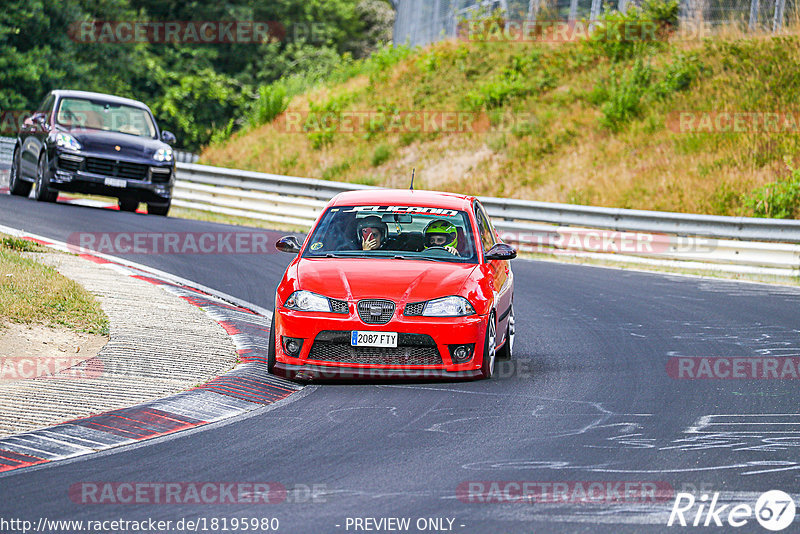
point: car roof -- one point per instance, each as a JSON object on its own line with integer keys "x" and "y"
{"x": 62, "y": 93}
{"x": 403, "y": 197}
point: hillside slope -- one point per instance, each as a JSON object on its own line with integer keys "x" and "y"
{"x": 581, "y": 122}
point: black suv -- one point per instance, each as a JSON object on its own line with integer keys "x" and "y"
{"x": 93, "y": 143}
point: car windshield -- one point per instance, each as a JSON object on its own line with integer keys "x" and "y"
{"x": 400, "y": 232}
{"x": 106, "y": 116}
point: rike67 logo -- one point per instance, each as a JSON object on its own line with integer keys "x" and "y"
{"x": 774, "y": 510}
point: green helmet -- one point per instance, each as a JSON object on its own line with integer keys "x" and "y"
{"x": 438, "y": 228}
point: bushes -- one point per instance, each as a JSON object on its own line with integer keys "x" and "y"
{"x": 778, "y": 200}
{"x": 272, "y": 101}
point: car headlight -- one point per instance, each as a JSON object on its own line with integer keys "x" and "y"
{"x": 64, "y": 140}
{"x": 163, "y": 154}
{"x": 307, "y": 301}
{"x": 448, "y": 307}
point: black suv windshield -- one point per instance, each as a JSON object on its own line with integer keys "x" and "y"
{"x": 414, "y": 233}
{"x": 106, "y": 116}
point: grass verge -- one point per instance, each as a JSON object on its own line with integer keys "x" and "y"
{"x": 34, "y": 293}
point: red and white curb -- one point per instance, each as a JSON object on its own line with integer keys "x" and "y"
{"x": 247, "y": 387}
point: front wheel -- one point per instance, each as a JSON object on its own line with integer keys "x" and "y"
{"x": 487, "y": 367}
{"x": 271, "y": 349}
{"x": 16, "y": 185}
{"x": 506, "y": 352}
{"x": 43, "y": 192}
{"x": 158, "y": 209}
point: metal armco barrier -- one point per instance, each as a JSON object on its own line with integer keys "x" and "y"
{"x": 532, "y": 226}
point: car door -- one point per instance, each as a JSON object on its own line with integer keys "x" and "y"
{"x": 33, "y": 133}
{"x": 500, "y": 270}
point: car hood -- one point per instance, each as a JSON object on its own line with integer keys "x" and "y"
{"x": 398, "y": 280}
{"x": 105, "y": 142}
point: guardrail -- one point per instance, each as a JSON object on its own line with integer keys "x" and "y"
{"x": 532, "y": 226}
{"x": 6, "y": 152}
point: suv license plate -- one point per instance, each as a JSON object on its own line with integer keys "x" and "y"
{"x": 373, "y": 339}
{"x": 115, "y": 182}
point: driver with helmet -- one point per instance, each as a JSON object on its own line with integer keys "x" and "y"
{"x": 371, "y": 232}
{"x": 442, "y": 234}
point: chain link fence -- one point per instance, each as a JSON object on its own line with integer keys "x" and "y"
{"x": 419, "y": 22}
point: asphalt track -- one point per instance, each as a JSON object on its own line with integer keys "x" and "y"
{"x": 587, "y": 398}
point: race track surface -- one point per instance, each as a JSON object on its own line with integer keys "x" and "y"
{"x": 588, "y": 397}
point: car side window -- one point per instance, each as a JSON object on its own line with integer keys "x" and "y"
{"x": 485, "y": 228}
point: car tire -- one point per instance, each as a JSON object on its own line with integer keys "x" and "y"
{"x": 43, "y": 192}
{"x": 158, "y": 209}
{"x": 489, "y": 353}
{"x": 271, "y": 349}
{"x": 16, "y": 185}
{"x": 127, "y": 205}
{"x": 507, "y": 350}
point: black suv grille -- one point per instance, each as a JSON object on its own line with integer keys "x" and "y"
{"x": 68, "y": 164}
{"x": 375, "y": 311}
{"x": 412, "y": 349}
{"x": 122, "y": 169}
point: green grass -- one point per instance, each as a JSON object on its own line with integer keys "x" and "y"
{"x": 32, "y": 293}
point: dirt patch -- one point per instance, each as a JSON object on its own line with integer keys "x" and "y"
{"x": 28, "y": 351}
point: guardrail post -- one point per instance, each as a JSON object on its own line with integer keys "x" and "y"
{"x": 777, "y": 19}
{"x": 753, "y": 15}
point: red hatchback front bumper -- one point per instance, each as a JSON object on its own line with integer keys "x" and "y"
{"x": 424, "y": 347}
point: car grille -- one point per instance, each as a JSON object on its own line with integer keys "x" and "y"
{"x": 338, "y": 306}
{"x": 412, "y": 349}
{"x": 414, "y": 309}
{"x": 160, "y": 175}
{"x": 69, "y": 164}
{"x": 367, "y": 309}
{"x": 122, "y": 169}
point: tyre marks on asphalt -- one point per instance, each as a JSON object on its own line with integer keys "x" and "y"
{"x": 245, "y": 388}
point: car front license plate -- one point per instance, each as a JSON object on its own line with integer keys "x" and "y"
{"x": 115, "y": 182}
{"x": 373, "y": 339}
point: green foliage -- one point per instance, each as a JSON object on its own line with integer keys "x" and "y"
{"x": 381, "y": 155}
{"x": 621, "y": 36}
{"x": 198, "y": 105}
{"x": 272, "y": 101}
{"x": 624, "y": 95}
{"x": 663, "y": 12}
{"x": 39, "y": 52}
{"x": 778, "y": 200}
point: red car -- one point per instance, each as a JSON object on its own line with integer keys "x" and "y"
{"x": 395, "y": 284}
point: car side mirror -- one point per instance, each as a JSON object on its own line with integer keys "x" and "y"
{"x": 288, "y": 244}
{"x": 168, "y": 137}
{"x": 39, "y": 118}
{"x": 501, "y": 251}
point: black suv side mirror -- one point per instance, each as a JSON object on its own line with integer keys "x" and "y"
{"x": 501, "y": 251}
{"x": 288, "y": 244}
{"x": 168, "y": 137}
